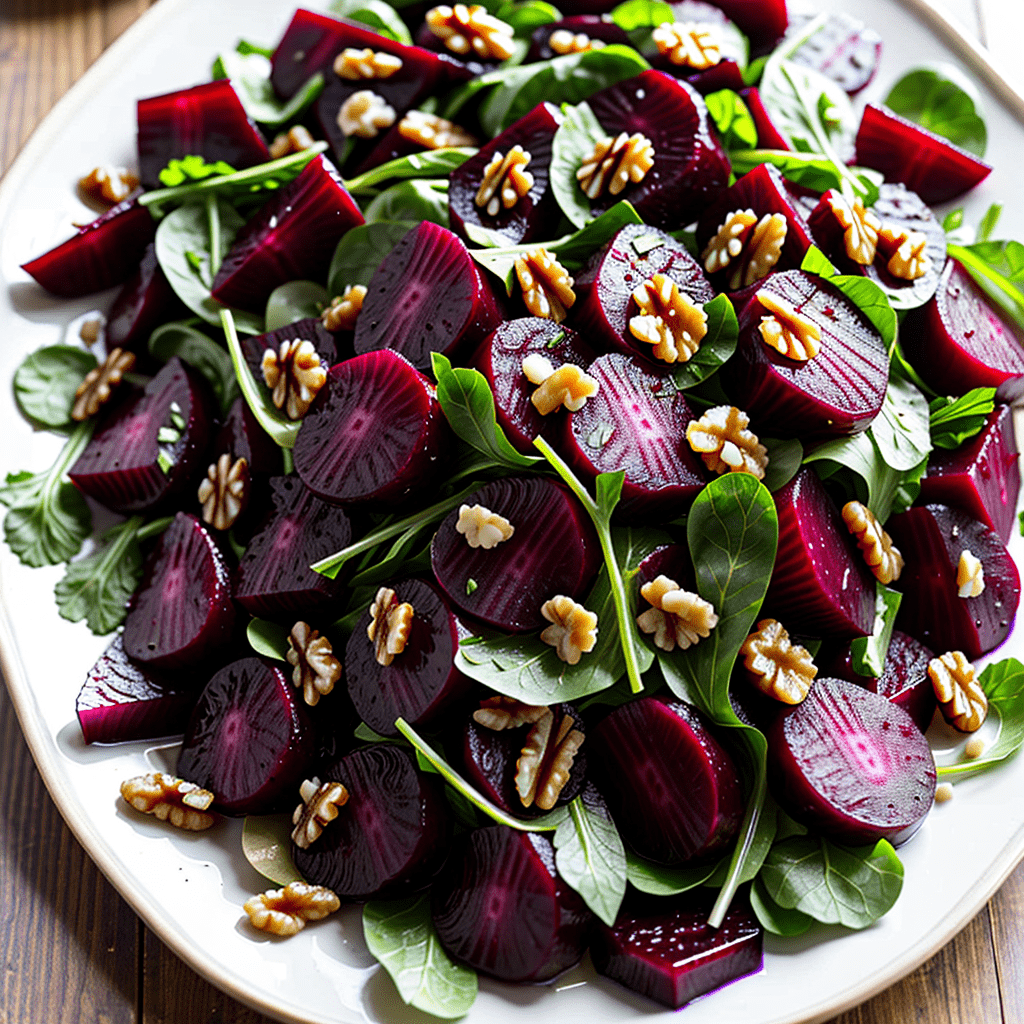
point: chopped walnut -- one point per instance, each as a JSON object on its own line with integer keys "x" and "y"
{"x": 471, "y": 31}
{"x": 562, "y": 42}
{"x": 99, "y": 384}
{"x": 319, "y": 807}
{"x": 433, "y": 132}
{"x": 483, "y": 528}
{"x": 676, "y": 617}
{"x": 89, "y": 332}
{"x": 354, "y": 65}
{"x": 295, "y": 140}
{"x": 286, "y": 911}
{"x": 970, "y": 575}
{"x": 171, "y": 799}
{"x": 860, "y": 227}
{"x": 722, "y": 440}
{"x": 689, "y": 44}
{"x": 906, "y": 251}
{"x": 883, "y": 557}
{"x": 573, "y": 629}
{"x": 294, "y": 376}
{"x": 615, "y": 163}
{"x": 568, "y": 385}
{"x": 499, "y": 713}
{"x": 787, "y": 330}
{"x": 961, "y": 699}
{"x": 344, "y": 310}
{"x": 728, "y": 241}
{"x": 224, "y": 492}
{"x": 506, "y": 180}
{"x": 364, "y": 114}
{"x": 778, "y": 667}
{"x": 315, "y": 669}
{"x": 390, "y": 623}
{"x": 545, "y": 762}
{"x": 546, "y": 284}
{"x": 110, "y": 185}
{"x": 764, "y": 249}
{"x": 668, "y": 319}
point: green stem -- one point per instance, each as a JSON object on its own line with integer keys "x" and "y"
{"x": 213, "y": 219}
{"x": 153, "y": 529}
{"x": 76, "y": 443}
{"x": 372, "y": 178}
{"x": 979, "y": 268}
{"x": 748, "y": 830}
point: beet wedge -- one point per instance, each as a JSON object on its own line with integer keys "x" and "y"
{"x": 146, "y": 301}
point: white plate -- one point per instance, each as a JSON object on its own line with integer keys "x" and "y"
{"x": 190, "y": 889}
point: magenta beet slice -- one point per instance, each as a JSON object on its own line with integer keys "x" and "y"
{"x": 243, "y": 438}
{"x": 554, "y": 550}
{"x": 931, "y": 540}
{"x": 310, "y": 329}
{"x": 839, "y": 391}
{"x": 843, "y": 49}
{"x": 821, "y": 585}
{"x": 426, "y": 296}
{"x": 105, "y": 252}
{"x": 852, "y": 765}
{"x": 150, "y": 445}
{"x": 925, "y": 162}
{"x": 593, "y": 26}
{"x": 374, "y": 433}
{"x": 182, "y": 611}
{"x": 959, "y": 341}
{"x": 666, "y": 950}
{"x": 146, "y": 301}
{"x": 672, "y": 788}
{"x": 726, "y": 74}
{"x": 768, "y": 136}
{"x": 982, "y": 476}
{"x": 120, "y": 700}
{"x": 500, "y": 907}
{"x": 207, "y": 120}
{"x": 763, "y": 21}
{"x": 249, "y": 740}
{"x": 273, "y": 577}
{"x": 636, "y": 422}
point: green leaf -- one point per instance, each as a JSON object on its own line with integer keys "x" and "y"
{"x": 202, "y": 353}
{"x": 901, "y": 427}
{"x": 525, "y": 17}
{"x": 267, "y": 845}
{"x": 434, "y": 163}
{"x": 574, "y": 250}
{"x": 192, "y": 168}
{"x": 294, "y": 301}
{"x": 988, "y": 222}
{"x": 268, "y": 638}
{"x": 46, "y": 381}
{"x": 659, "y": 880}
{"x": 412, "y": 200}
{"x": 998, "y": 269}
{"x": 635, "y": 14}
{"x": 943, "y": 101}
{"x": 250, "y": 75}
{"x": 381, "y": 17}
{"x": 784, "y": 460}
{"x": 590, "y": 857}
{"x": 775, "y": 919}
{"x": 812, "y": 170}
{"x": 736, "y": 127}
{"x": 858, "y": 461}
{"x": 954, "y": 420}
{"x": 574, "y": 142}
{"x": 401, "y": 935}
{"x": 868, "y": 652}
{"x": 361, "y": 250}
{"x": 716, "y": 347}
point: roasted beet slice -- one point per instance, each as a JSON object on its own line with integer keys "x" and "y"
{"x": 925, "y": 162}
{"x": 374, "y": 433}
{"x": 932, "y": 539}
{"x": 249, "y": 740}
{"x": 182, "y": 611}
{"x": 428, "y": 295}
{"x": 207, "y": 120}
{"x": 843, "y": 48}
{"x": 821, "y": 585}
{"x": 852, "y": 765}
{"x": 762, "y": 21}
{"x": 242, "y": 437}
{"x": 500, "y": 907}
{"x": 310, "y": 329}
{"x": 553, "y": 550}
{"x": 673, "y": 790}
{"x": 726, "y": 74}
{"x": 666, "y": 950}
{"x": 105, "y": 252}
{"x": 574, "y": 34}
{"x": 146, "y": 301}
{"x": 391, "y": 836}
{"x": 768, "y": 136}
{"x": 150, "y": 445}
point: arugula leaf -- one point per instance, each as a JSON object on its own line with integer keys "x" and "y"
{"x": 773, "y": 918}
{"x": 267, "y": 845}
{"x": 954, "y": 420}
{"x": 294, "y": 301}
{"x": 268, "y": 638}
{"x": 659, "y": 880}
{"x": 784, "y": 460}
{"x": 716, "y": 347}
{"x": 46, "y": 381}
{"x": 736, "y": 128}
{"x": 250, "y": 75}
{"x": 941, "y": 101}
{"x": 811, "y": 170}
{"x": 901, "y": 427}
{"x": 411, "y": 200}
{"x": 361, "y": 250}
{"x": 380, "y": 16}
{"x": 868, "y": 652}
{"x": 192, "y": 168}
{"x": 573, "y": 143}
{"x": 200, "y": 352}
{"x": 434, "y": 163}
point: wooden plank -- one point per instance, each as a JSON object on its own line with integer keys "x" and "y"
{"x": 1007, "y": 913}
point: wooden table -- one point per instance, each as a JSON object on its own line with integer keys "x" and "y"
{"x": 70, "y": 947}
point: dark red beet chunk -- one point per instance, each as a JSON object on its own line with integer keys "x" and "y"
{"x": 843, "y": 49}
{"x": 726, "y": 74}
{"x": 852, "y": 765}
{"x": 763, "y": 21}
{"x": 821, "y": 585}
{"x": 673, "y": 790}
{"x": 931, "y": 540}
{"x": 554, "y": 550}
{"x": 243, "y": 438}
{"x": 593, "y": 26}
{"x": 145, "y": 302}
{"x": 768, "y": 136}
{"x": 182, "y": 611}
{"x": 249, "y": 740}
{"x": 666, "y": 950}
{"x": 391, "y": 836}
{"x": 500, "y": 907}
{"x": 374, "y": 433}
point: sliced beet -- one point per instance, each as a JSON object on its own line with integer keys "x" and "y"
{"x": 146, "y": 301}
{"x": 554, "y": 550}
{"x": 768, "y": 136}
{"x": 242, "y": 437}
{"x": 428, "y": 295}
{"x": 500, "y": 906}
{"x": 925, "y": 162}
{"x": 576, "y": 33}
{"x": 374, "y": 433}
{"x": 726, "y": 74}
{"x": 762, "y": 21}
{"x": 309, "y": 329}
{"x": 249, "y": 740}
{"x": 673, "y": 790}
{"x": 182, "y": 611}
{"x": 151, "y": 444}
{"x": 821, "y": 585}
{"x": 390, "y": 837}
{"x": 931, "y": 540}
{"x": 852, "y": 765}
{"x": 843, "y": 49}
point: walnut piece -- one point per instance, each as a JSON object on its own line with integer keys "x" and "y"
{"x": 546, "y": 284}
{"x": 471, "y": 31}
{"x": 722, "y": 440}
{"x": 788, "y": 331}
{"x": 483, "y": 528}
{"x": 728, "y": 241}
{"x": 499, "y": 713}
{"x": 224, "y": 492}
{"x": 286, "y": 911}
{"x": 614, "y": 164}
{"x": 319, "y": 807}
{"x": 93, "y": 393}
{"x": 573, "y": 629}
{"x": 171, "y": 799}
{"x": 568, "y": 385}
{"x": 433, "y": 132}
{"x": 545, "y": 762}
{"x": 315, "y": 669}
{"x": 294, "y": 376}
{"x": 906, "y": 251}
{"x": 668, "y": 319}
{"x": 354, "y": 65}
{"x": 758, "y": 242}
{"x": 295, "y": 140}
{"x": 389, "y": 626}
{"x": 505, "y": 181}
{"x": 562, "y": 42}
{"x": 970, "y": 575}
{"x": 676, "y": 617}
{"x": 344, "y": 310}
{"x": 778, "y": 667}
{"x": 364, "y": 114}
{"x": 110, "y": 185}
{"x": 882, "y": 556}
{"x": 961, "y": 699}
{"x": 689, "y": 44}
{"x": 860, "y": 227}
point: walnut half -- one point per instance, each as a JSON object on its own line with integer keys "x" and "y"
{"x": 568, "y": 385}
{"x": 224, "y": 492}
{"x": 961, "y": 699}
{"x": 573, "y": 629}
{"x": 615, "y": 163}
{"x": 315, "y": 669}
{"x": 294, "y": 375}
{"x": 483, "y": 528}
{"x": 390, "y": 623}
{"x": 668, "y": 319}
{"x": 286, "y": 911}
{"x": 319, "y": 807}
{"x": 95, "y": 391}
{"x": 546, "y": 760}
{"x": 777, "y": 666}
{"x": 183, "y": 804}
{"x": 722, "y": 440}
{"x": 676, "y": 617}
{"x": 882, "y": 556}
{"x": 546, "y": 284}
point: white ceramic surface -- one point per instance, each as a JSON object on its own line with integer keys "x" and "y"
{"x": 190, "y": 889}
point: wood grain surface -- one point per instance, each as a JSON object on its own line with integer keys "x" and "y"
{"x": 71, "y": 950}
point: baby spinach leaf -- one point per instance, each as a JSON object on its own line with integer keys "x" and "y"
{"x": 736, "y": 127}
{"x": 46, "y": 381}
{"x": 954, "y": 420}
{"x": 717, "y": 346}
{"x": 574, "y": 142}
{"x": 267, "y": 845}
{"x": 635, "y": 14}
{"x": 380, "y": 16}
{"x": 941, "y": 101}
{"x": 250, "y": 75}
{"x": 784, "y": 460}
{"x": 294, "y": 301}
{"x": 590, "y": 857}
{"x": 361, "y": 250}
{"x": 868, "y": 652}
{"x": 411, "y": 200}
{"x": 525, "y": 17}
{"x": 659, "y": 880}
{"x": 200, "y": 352}
{"x": 434, "y": 163}
{"x": 773, "y": 918}
{"x": 268, "y": 638}
{"x": 901, "y": 427}
{"x": 574, "y": 250}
